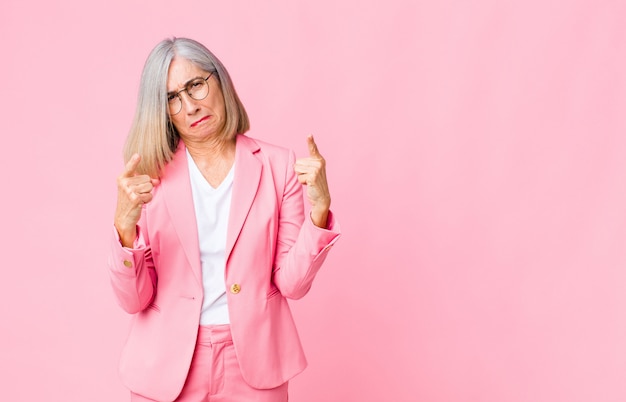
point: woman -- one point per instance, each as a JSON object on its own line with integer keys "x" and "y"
{"x": 210, "y": 239}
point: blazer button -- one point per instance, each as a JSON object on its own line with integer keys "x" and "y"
{"x": 235, "y": 288}
{"x": 128, "y": 264}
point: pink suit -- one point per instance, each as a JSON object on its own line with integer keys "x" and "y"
{"x": 273, "y": 253}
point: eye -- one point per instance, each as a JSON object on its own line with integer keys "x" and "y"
{"x": 171, "y": 97}
{"x": 196, "y": 84}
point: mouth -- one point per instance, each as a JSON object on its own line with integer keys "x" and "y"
{"x": 205, "y": 118}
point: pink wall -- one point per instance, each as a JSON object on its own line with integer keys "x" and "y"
{"x": 477, "y": 158}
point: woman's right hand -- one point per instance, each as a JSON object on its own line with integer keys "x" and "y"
{"x": 133, "y": 191}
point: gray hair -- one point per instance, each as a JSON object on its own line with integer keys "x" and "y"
{"x": 152, "y": 134}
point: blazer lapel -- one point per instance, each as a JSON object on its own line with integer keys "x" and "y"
{"x": 248, "y": 170}
{"x": 176, "y": 187}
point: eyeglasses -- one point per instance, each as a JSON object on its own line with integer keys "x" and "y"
{"x": 197, "y": 89}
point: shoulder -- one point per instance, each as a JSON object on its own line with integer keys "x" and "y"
{"x": 275, "y": 154}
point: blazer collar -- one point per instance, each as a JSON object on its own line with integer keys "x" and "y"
{"x": 176, "y": 188}
{"x": 248, "y": 168}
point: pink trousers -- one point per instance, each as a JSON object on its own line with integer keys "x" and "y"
{"x": 214, "y": 375}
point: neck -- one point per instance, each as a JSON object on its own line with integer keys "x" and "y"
{"x": 211, "y": 150}
{"x": 214, "y": 159}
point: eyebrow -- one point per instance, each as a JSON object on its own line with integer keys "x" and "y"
{"x": 184, "y": 86}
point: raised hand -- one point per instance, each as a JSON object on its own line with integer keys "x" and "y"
{"x": 311, "y": 172}
{"x": 133, "y": 190}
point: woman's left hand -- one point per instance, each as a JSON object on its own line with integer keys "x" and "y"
{"x": 311, "y": 173}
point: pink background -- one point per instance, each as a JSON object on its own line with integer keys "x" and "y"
{"x": 477, "y": 159}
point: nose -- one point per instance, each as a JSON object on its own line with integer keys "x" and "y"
{"x": 189, "y": 104}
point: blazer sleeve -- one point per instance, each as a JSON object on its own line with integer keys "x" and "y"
{"x": 301, "y": 247}
{"x": 132, "y": 272}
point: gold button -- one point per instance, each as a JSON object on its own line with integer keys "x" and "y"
{"x": 128, "y": 264}
{"x": 235, "y": 288}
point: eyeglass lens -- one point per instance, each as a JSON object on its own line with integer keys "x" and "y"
{"x": 197, "y": 89}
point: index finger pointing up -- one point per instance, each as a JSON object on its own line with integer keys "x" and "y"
{"x": 131, "y": 166}
{"x": 313, "y": 151}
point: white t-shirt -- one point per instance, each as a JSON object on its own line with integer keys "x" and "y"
{"x": 212, "y": 207}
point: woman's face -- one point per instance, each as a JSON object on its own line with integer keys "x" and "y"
{"x": 197, "y": 120}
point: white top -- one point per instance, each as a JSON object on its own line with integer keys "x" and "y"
{"x": 212, "y": 207}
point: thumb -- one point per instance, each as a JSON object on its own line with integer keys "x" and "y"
{"x": 131, "y": 166}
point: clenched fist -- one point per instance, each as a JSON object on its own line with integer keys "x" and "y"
{"x": 133, "y": 191}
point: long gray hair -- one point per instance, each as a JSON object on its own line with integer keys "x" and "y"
{"x": 152, "y": 134}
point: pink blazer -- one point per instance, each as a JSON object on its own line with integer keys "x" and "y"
{"x": 273, "y": 253}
